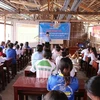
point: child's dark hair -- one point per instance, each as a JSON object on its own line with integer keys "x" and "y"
{"x": 17, "y": 46}
{"x": 47, "y": 32}
{"x": 39, "y": 48}
{"x": 65, "y": 67}
{"x": 65, "y": 63}
{"x": 16, "y": 42}
{"x": 46, "y": 46}
{"x": 63, "y": 54}
{"x": 67, "y": 51}
{"x": 55, "y": 95}
{"x": 58, "y": 48}
{"x": 93, "y": 86}
{"x": 26, "y": 44}
{"x": 47, "y": 54}
{"x": 21, "y": 46}
{"x": 10, "y": 45}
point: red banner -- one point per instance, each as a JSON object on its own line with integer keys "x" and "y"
{"x": 96, "y": 31}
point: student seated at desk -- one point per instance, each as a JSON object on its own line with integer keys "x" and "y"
{"x": 55, "y": 95}
{"x": 11, "y": 53}
{"x": 27, "y": 45}
{"x": 92, "y": 87}
{"x": 92, "y": 54}
{"x": 64, "y": 55}
{"x": 38, "y": 55}
{"x": 84, "y": 54}
{"x": 63, "y": 81}
{"x": 44, "y": 67}
{"x": 1, "y": 52}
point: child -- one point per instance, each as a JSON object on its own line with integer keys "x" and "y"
{"x": 93, "y": 88}
{"x": 55, "y": 95}
{"x": 63, "y": 81}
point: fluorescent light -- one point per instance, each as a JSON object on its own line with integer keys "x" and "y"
{"x": 6, "y": 7}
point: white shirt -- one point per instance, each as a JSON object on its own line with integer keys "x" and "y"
{"x": 57, "y": 61}
{"x": 72, "y": 72}
{"x": 55, "y": 55}
{"x": 18, "y": 52}
{"x": 92, "y": 56}
{"x": 85, "y": 52}
{"x": 2, "y": 59}
{"x": 44, "y": 68}
{"x": 36, "y": 56}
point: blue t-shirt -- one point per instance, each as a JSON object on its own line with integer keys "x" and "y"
{"x": 57, "y": 82}
{"x": 11, "y": 53}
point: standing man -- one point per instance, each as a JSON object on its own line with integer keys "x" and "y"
{"x": 47, "y": 38}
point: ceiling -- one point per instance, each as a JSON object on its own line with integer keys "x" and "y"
{"x": 50, "y": 10}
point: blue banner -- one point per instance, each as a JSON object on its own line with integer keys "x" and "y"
{"x": 56, "y": 31}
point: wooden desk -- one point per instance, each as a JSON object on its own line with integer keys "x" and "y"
{"x": 27, "y": 71}
{"x": 29, "y": 85}
{"x": 37, "y": 86}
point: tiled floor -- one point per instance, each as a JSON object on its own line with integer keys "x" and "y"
{"x": 8, "y": 93}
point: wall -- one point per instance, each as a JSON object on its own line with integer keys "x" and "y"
{"x": 78, "y": 34}
{"x": 23, "y": 32}
{"x": 95, "y": 41}
{"x": 17, "y": 23}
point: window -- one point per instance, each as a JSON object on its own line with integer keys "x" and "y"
{"x": 27, "y": 32}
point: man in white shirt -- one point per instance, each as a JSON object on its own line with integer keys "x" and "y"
{"x": 47, "y": 38}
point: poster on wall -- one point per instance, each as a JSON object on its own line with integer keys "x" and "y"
{"x": 59, "y": 31}
{"x": 96, "y": 31}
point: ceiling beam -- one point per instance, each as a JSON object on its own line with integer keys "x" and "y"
{"x": 25, "y": 3}
{"x": 92, "y": 2}
{"x": 65, "y": 6}
{"x": 54, "y": 12}
{"x": 48, "y": 5}
{"x": 72, "y": 20}
{"x": 83, "y": 18}
{"x": 25, "y": 6}
{"x": 11, "y": 4}
{"x": 45, "y": 6}
{"x": 74, "y": 7}
{"x": 85, "y": 8}
{"x": 59, "y": 5}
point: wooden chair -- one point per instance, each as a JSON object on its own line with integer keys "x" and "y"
{"x": 94, "y": 69}
{"x": 8, "y": 69}
{"x": 81, "y": 93}
{"x": 2, "y": 78}
{"x": 87, "y": 66}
